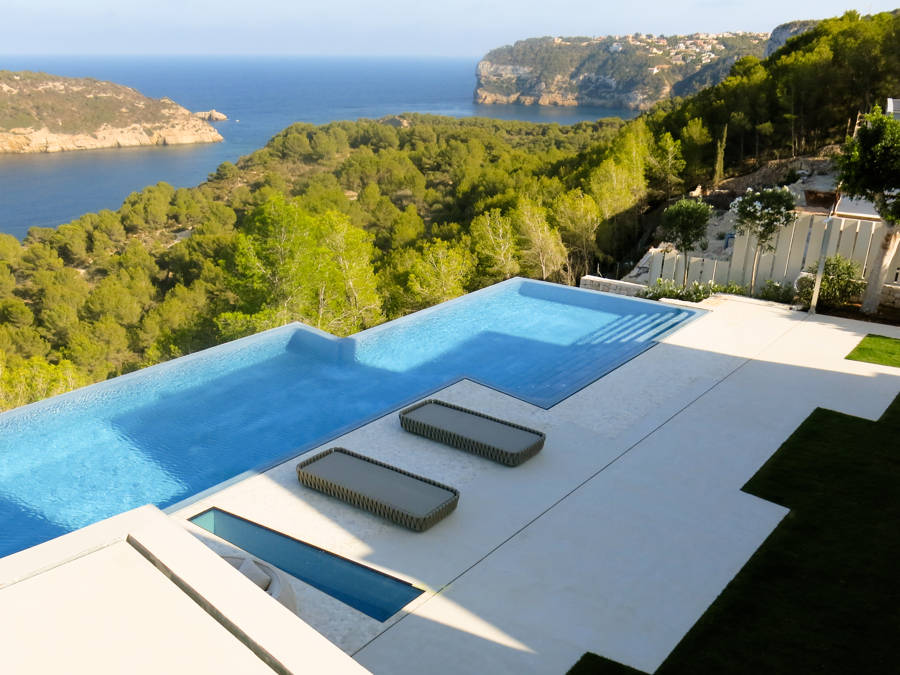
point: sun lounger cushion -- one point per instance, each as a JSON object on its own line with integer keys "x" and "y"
{"x": 496, "y": 439}
{"x": 405, "y": 498}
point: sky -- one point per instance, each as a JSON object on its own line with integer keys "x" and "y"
{"x": 460, "y": 28}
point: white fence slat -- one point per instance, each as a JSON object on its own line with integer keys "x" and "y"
{"x": 695, "y": 269}
{"x": 877, "y": 238}
{"x": 763, "y": 269}
{"x": 837, "y": 225}
{"x": 656, "y": 262}
{"x": 668, "y": 267}
{"x": 738, "y": 257}
{"x": 816, "y": 236}
{"x": 798, "y": 248}
{"x": 863, "y": 241}
{"x": 894, "y": 274}
{"x": 782, "y": 252}
{"x": 708, "y": 270}
{"x": 721, "y": 272}
{"x": 678, "y": 274}
{"x": 749, "y": 257}
{"x": 848, "y": 238}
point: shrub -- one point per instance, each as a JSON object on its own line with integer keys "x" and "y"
{"x": 733, "y": 288}
{"x": 667, "y": 288}
{"x": 777, "y": 292}
{"x": 695, "y": 292}
{"x": 841, "y": 283}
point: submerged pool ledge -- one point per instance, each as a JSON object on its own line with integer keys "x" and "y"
{"x": 373, "y": 593}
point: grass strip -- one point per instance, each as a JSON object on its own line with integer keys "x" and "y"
{"x": 877, "y": 349}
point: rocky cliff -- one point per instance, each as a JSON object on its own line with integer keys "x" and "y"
{"x": 785, "y": 31}
{"x": 47, "y": 113}
{"x": 633, "y": 71}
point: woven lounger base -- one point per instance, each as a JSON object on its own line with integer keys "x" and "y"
{"x": 402, "y": 497}
{"x": 472, "y": 431}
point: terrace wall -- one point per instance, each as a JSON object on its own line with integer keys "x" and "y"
{"x": 797, "y": 248}
{"x": 611, "y": 285}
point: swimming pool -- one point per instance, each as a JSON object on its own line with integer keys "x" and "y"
{"x": 165, "y": 433}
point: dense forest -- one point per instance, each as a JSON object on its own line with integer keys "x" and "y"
{"x": 348, "y": 224}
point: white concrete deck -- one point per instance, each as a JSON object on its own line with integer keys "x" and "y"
{"x": 617, "y": 536}
{"x": 614, "y": 539}
{"x": 136, "y": 594}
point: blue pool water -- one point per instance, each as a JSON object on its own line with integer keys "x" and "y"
{"x": 370, "y": 591}
{"x": 165, "y": 433}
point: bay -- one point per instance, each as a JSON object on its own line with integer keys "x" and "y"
{"x": 260, "y": 95}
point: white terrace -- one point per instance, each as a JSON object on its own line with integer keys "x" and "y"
{"x": 614, "y": 539}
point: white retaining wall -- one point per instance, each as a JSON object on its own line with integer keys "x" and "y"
{"x": 797, "y": 247}
{"x": 611, "y": 285}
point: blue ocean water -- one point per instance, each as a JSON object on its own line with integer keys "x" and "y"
{"x": 165, "y": 433}
{"x": 260, "y": 95}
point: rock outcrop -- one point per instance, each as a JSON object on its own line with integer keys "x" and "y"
{"x": 786, "y": 31}
{"x": 47, "y": 113}
{"x": 211, "y": 115}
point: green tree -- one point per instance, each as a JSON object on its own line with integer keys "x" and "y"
{"x": 35, "y": 379}
{"x": 762, "y": 214}
{"x": 440, "y": 272}
{"x": 719, "y": 169}
{"x": 293, "y": 265}
{"x": 496, "y": 245}
{"x": 695, "y": 140}
{"x": 684, "y": 224}
{"x": 407, "y": 227}
{"x": 57, "y": 296}
{"x": 667, "y": 163}
{"x": 870, "y": 168}
{"x": 14, "y": 312}
{"x": 577, "y": 217}
{"x": 7, "y": 280}
{"x": 226, "y": 171}
{"x": 543, "y": 252}
{"x": 10, "y": 250}
{"x": 347, "y": 294}
{"x": 178, "y": 325}
{"x": 100, "y": 349}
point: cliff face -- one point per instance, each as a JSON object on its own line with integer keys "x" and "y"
{"x": 631, "y": 72}
{"x": 46, "y": 113}
{"x": 785, "y": 31}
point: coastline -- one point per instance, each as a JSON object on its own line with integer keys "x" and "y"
{"x": 29, "y": 141}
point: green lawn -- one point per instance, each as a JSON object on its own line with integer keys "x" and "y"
{"x": 877, "y": 349}
{"x": 822, "y": 594}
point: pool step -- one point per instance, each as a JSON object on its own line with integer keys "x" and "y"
{"x": 636, "y": 327}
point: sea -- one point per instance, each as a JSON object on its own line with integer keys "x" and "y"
{"x": 260, "y": 95}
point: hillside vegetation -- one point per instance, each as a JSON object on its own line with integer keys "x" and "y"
{"x": 345, "y": 225}
{"x": 632, "y": 71}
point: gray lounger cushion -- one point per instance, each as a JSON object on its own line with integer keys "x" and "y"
{"x": 405, "y": 498}
{"x": 496, "y": 439}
